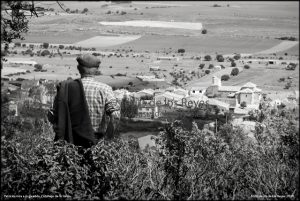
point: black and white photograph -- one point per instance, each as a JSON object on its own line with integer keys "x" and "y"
{"x": 150, "y": 100}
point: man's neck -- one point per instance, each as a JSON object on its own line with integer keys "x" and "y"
{"x": 87, "y": 76}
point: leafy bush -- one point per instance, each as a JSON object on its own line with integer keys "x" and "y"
{"x": 85, "y": 10}
{"x": 246, "y": 66}
{"x": 282, "y": 79}
{"x": 185, "y": 164}
{"x": 233, "y": 64}
{"x": 181, "y": 50}
{"x": 220, "y": 58}
{"x": 28, "y": 51}
{"x": 207, "y": 71}
{"x": 288, "y": 85}
{"x": 201, "y": 66}
{"x": 225, "y": 77}
{"x": 210, "y": 66}
{"x": 237, "y": 56}
{"x": 234, "y": 72}
{"x": 17, "y": 44}
{"x": 61, "y": 46}
{"x": 45, "y": 45}
{"x": 207, "y": 58}
{"x": 45, "y": 53}
{"x": 38, "y": 66}
{"x": 98, "y": 72}
{"x": 204, "y": 31}
{"x": 123, "y": 13}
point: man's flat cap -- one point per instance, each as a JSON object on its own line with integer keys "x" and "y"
{"x": 88, "y": 60}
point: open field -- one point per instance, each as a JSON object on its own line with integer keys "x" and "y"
{"x": 106, "y": 41}
{"x": 160, "y": 24}
{"x": 283, "y": 46}
{"x": 202, "y": 44}
{"x": 235, "y": 27}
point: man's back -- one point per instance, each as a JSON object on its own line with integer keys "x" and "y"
{"x": 101, "y": 102}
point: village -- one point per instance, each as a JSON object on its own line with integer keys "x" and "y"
{"x": 159, "y": 103}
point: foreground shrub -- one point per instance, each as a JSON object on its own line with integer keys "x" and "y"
{"x": 184, "y": 165}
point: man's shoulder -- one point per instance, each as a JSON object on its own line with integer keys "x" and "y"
{"x": 96, "y": 83}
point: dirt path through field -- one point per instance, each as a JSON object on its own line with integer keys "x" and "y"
{"x": 284, "y": 45}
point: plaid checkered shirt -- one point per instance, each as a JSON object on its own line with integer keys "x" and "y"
{"x": 100, "y": 100}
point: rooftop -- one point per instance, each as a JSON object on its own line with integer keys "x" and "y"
{"x": 229, "y": 88}
{"x": 250, "y": 85}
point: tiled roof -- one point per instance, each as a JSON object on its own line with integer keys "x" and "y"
{"x": 229, "y": 88}
{"x": 197, "y": 97}
{"x": 169, "y": 95}
{"x": 246, "y": 91}
{"x": 218, "y": 103}
{"x": 249, "y": 85}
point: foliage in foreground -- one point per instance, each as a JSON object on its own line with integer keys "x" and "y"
{"x": 184, "y": 165}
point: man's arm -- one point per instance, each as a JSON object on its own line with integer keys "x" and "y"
{"x": 112, "y": 109}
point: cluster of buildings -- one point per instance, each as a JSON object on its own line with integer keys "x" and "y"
{"x": 235, "y": 99}
{"x": 32, "y": 91}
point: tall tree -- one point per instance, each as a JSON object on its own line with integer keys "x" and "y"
{"x": 15, "y": 16}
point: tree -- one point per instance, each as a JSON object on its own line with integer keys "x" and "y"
{"x": 204, "y": 31}
{"x": 207, "y": 58}
{"x": 45, "y": 53}
{"x": 210, "y": 66}
{"x": 220, "y": 58}
{"x": 85, "y": 10}
{"x": 68, "y": 10}
{"x": 38, "y": 67}
{"x": 225, "y": 77}
{"x": 207, "y": 71}
{"x": 181, "y": 50}
{"x": 237, "y": 56}
{"x": 288, "y": 85}
{"x": 233, "y": 64}
{"x": 45, "y": 45}
{"x": 235, "y": 71}
{"x": 246, "y": 66}
{"x": 17, "y": 44}
{"x": 201, "y": 66}
{"x": 129, "y": 108}
{"x": 61, "y": 46}
{"x": 14, "y": 21}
